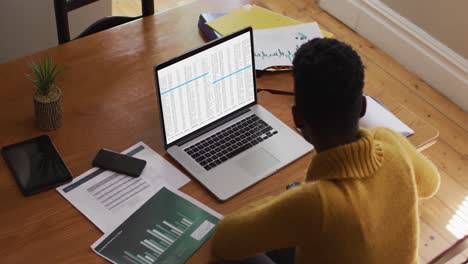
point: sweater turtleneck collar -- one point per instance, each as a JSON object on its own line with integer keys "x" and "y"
{"x": 357, "y": 160}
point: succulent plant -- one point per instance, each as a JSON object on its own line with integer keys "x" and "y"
{"x": 44, "y": 75}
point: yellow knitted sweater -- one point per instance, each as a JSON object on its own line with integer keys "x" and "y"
{"x": 359, "y": 205}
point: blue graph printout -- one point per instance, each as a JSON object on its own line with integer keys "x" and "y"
{"x": 206, "y": 86}
{"x": 166, "y": 229}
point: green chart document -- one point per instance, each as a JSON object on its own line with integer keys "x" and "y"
{"x": 168, "y": 228}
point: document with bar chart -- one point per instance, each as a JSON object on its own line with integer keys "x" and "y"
{"x": 168, "y": 228}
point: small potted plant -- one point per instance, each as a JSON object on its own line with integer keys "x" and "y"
{"x": 47, "y": 95}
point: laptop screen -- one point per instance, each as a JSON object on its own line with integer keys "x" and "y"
{"x": 206, "y": 86}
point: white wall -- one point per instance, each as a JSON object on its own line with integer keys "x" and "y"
{"x": 446, "y": 21}
{"x": 28, "y": 26}
{"x": 418, "y": 51}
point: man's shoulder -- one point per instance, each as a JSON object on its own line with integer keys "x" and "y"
{"x": 387, "y": 135}
{"x": 383, "y": 132}
{"x": 394, "y": 145}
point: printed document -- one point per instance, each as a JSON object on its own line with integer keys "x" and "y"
{"x": 168, "y": 228}
{"x": 108, "y": 198}
{"x": 277, "y": 46}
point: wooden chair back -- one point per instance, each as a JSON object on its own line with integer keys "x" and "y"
{"x": 453, "y": 251}
{"x": 62, "y": 7}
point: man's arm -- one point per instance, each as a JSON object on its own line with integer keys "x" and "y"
{"x": 426, "y": 174}
{"x": 282, "y": 222}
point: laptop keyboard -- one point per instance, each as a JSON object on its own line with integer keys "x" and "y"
{"x": 227, "y": 143}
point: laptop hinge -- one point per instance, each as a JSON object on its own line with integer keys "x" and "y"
{"x": 213, "y": 126}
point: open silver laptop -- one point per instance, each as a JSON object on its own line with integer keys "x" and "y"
{"x": 211, "y": 122}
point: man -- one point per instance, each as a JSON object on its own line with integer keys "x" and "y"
{"x": 359, "y": 200}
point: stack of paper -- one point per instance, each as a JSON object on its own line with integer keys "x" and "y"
{"x": 276, "y": 37}
{"x": 145, "y": 219}
{"x": 379, "y": 116}
{"x": 254, "y": 16}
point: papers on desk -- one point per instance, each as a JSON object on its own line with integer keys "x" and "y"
{"x": 379, "y": 116}
{"x": 107, "y": 198}
{"x": 276, "y": 37}
{"x": 168, "y": 228}
{"x": 277, "y": 46}
{"x": 252, "y": 15}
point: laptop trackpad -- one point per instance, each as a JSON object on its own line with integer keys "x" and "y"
{"x": 257, "y": 162}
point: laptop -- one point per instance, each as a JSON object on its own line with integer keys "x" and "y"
{"x": 211, "y": 122}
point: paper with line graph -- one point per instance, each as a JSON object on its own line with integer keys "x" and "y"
{"x": 277, "y": 46}
{"x": 108, "y": 198}
{"x": 168, "y": 228}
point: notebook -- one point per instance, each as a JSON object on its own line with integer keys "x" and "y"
{"x": 379, "y": 116}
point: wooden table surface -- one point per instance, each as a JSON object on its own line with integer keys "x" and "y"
{"x": 110, "y": 102}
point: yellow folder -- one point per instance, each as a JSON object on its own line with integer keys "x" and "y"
{"x": 255, "y": 16}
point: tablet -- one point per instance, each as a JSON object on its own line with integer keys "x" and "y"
{"x": 36, "y": 165}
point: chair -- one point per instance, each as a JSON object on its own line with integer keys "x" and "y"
{"x": 457, "y": 248}
{"x": 62, "y": 7}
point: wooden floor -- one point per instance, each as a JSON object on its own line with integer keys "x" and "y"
{"x": 450, "y": 153}
{"x": 133, "y": 7}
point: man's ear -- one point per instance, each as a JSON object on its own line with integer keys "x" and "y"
{"x": 363, "y": 106}
{"x": 298, "y": 120}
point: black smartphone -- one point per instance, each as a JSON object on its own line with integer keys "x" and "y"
{"x": 120, "y": 163}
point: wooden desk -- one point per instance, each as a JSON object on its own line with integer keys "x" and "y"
{"x": 110, "y": 102}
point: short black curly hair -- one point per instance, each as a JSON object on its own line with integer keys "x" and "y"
{"x": 328, "y": 84}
